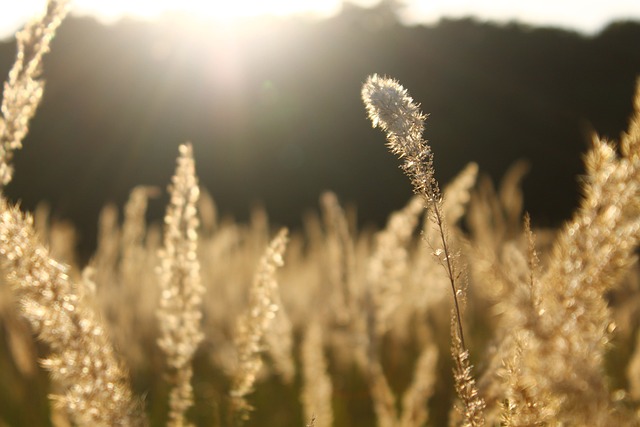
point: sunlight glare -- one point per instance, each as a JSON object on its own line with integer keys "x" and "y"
{"x": 591, "y": 17}
{"x": 228, "y": 10}
{"x": 16, "y": 14}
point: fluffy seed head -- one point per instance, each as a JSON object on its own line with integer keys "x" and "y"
{"x": 391, "y": 108}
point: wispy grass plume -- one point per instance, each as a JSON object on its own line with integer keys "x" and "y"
{"x": 254, "y": 323}
{"x": 23, "y": 89}
{"x": 82, "y": 361}
{"x": 180, "y": 312}
{"x": 590, "y": 256}
{"x": 392, "y": 109}
{"x": 317, "y": 391}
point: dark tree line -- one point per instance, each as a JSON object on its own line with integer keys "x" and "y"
{"x": 274, "y": 114}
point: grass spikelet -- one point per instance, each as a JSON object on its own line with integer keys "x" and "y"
{"x": 588, "y": 260}
{"x": 340, "y": 254}
{"x": 519, "y": 407}
{"x": 254, "y": 323}
{"x": 280, "y": 343}
{"x": 19, "y": 341}
{"x": 563, "y": 322}
{"x": 630, "y": 141}
{"x": 510, "y": 194}
{"x": 633, "y": 371}
{"x": 414, "y": 400}
{"x": 23, "y": 89}
{"x": 388, "y": 264}
{"x": 392, "y": 109}
{"x": 312, "y": 422}
{"x": 384, "y": 401}
{"x": 457, "y": 194}
{"x": 82, "y": 361}
{"x": 473, "y": 405}
{"x": 106, "y": 255}
{"x": 180, "y": 314}
{"x": 134, "y": 229}
{"x": 317, "y": 392}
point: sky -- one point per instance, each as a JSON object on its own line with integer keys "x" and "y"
{"x": 586, "y": 16}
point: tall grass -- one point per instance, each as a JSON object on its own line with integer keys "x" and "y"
{"x": 212, "y": 322}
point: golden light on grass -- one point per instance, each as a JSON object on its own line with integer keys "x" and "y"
{"x": 363, "y": 318}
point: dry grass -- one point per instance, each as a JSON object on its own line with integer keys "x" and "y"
{"x": 212, "y": 323}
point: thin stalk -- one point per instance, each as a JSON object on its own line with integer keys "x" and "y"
{"x": 450, "y": 268}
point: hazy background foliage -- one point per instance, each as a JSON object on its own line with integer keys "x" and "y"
{"x": 274, "y": 114}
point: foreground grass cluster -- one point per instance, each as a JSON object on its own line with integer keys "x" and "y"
{"x": 210, "y": 322}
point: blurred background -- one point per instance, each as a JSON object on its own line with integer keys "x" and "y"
{"x": 269, "y": 95}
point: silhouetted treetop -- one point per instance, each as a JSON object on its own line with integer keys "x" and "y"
{"x": 274, "y": 114}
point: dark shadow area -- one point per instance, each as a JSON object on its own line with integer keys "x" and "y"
{"x": 274, "y": 113}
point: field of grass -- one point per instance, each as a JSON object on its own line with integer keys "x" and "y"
{"x": 455, "y": 313}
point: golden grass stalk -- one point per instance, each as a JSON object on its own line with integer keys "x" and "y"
{"x": 384, "y": 400}
{"x": 105, "y": 258}
{"x": 368, "y": 359}
{"x": 457, "y": 193}
{"x": 472, "y": 403}
{"x": 180, "y": 313}
{"x": 82, "y": 360}
{"x": 317, "y": 388}
{"x": 122, "y": 263}
{"x": 425, "y": 295}
{"x": 589, "y": 258}
{"x": 254, "y": 324}
{"x": 388, "y": 265}
{"x": 134, "y": 229}
{"x": 519, "y": 407}
{"x": 392, "y": 109}
{"x": 280, "y": 343}
{"x": 19, "y": 341}
{"x": 341, "y": 258}
{"x": 414, "y": 400}
{"x": 560, "y": 327}
{"x": 23, "y": 89}
{"x": 633, "y": 371}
